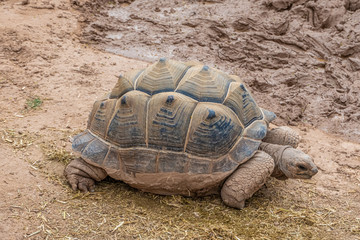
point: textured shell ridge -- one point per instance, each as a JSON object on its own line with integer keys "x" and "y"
{"x": 213, "y": 131}
{"x": 102, "y": 109}
{"x": 243, "y": 104}
{"x": 204, "y": 84}
{"x": 125, "y": 83}
{"x": 169, "y": 118}
{"x": 174, "y": 117}
{"x": 127, "y": 124}
{"x": 162, "y": 76}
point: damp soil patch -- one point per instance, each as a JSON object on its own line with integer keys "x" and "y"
{"x": 306, "y": 69}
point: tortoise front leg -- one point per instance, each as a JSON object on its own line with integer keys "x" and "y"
{"x": 247, "y": 179}
{"x": 282, "y": 136}
{"x": 81, "y": 175}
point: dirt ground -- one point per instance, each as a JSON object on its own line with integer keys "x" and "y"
{"x": 303, "y": 54}
{"x": 49, "y": 78}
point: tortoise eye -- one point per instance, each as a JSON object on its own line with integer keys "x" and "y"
{"x": 302, "y": 167}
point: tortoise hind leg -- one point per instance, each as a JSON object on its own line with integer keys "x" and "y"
{"x": 282, "y": 136}
{"x": 247, "y": 179}
{"x": 82, "y": 175}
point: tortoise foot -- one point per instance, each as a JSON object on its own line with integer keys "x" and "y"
{"x": 82, "y": 176}
{"x": 247, "y": 179}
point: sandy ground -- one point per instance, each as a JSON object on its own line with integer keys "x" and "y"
{"x": 41, "y": 56}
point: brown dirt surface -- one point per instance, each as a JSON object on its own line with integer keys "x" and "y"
{"x": 304, "y": 55}
{"x": 50, "y": 76}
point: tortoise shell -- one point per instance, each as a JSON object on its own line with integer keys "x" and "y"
{"x": 183, "y": 123}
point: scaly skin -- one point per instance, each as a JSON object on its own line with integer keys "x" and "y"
{"x": 82, "y": 175}
{"x": 283, "y": 136}
{"x": 277, "y": 157}
{"x": 291, "y": 162}
{"x": 247, "y": 179}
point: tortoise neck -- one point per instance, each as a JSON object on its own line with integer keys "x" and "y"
{"x": 275, "y": 151}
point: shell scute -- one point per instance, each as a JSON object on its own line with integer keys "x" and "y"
{"x": 199, "y": 166}
{"x": 244, "y": 149}
{"x": 224, "y": 165}
{"x": 81, "y": 141}
{"x": 102, "y": 111}
{"x": 213, "y": 130}
{"x": 135, "y": 161}
{"x": 204, "y": 84}
{"x": 162, "y": 76}
{"x": 95, "y": 151}
{"x": 127, "y": 125}
{"x": 242, "y": 103}
{"x": 112, "y": 159}
{"x": 257, "y": 130}
{"x": 125, "y": 83}
{"x": 168, "y": 121}
{"x": 172, "y": 162}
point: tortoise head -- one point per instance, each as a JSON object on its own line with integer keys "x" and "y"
{"x": 296, "y": 164}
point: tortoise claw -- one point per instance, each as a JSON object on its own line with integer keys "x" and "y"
{"x": 86, "y": 185}
{"x": 81, "y": 183}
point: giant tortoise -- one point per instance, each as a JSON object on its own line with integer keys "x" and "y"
{"x": 188, "y": 129}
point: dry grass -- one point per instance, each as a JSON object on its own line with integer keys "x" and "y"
{"x": 18, "y": 139}
{"x": 116, "y": 211}
{"x": 55, "y": 153}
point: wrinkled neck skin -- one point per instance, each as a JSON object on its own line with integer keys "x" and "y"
{"x": 278, "y": 174}
{"x": 290, "y": 162}
{"x": 276, "y": 154}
